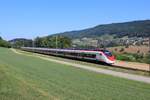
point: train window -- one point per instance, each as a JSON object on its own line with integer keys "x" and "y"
{"x": 71, "y": 53}
{"x": 89, "y": 55}
{"x": 59, "y": 52}
{"x": 93, "y": 56}
{"x": 107, "y": 53}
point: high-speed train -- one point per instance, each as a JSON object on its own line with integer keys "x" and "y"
{"x": 94, "y": 55}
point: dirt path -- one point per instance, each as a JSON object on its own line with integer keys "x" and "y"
{"x": 98, "y": 70}
{"x": 132, "y": 65}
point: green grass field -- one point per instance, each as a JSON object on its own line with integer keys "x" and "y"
{"x": 119, "y": 69}
{"x": 31, "y": 78}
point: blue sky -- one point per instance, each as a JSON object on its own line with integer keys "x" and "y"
{"x": 31, "y": 18}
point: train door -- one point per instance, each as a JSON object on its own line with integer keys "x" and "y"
{"x": 100, "y": 57}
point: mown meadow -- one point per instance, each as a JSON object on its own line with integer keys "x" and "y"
{"x": 30, "y": 78}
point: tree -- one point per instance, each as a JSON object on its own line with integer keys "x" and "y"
{"x": 50, "y": 42}
{"x": 21, "y": 42}
{"x": 4, "y": 43}
{"x": 64, "y": 42}
{"x": 38, "y": 42}
{"x": 122, "y": 49}
{"x": 45, "y": 42}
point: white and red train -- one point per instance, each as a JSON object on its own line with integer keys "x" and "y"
{"x": 95, "y": 55}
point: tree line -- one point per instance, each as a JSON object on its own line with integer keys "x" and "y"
{"x": 53, "y": 42}
{"x": 45, "y": 42}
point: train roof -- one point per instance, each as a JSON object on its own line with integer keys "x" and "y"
{"x": 68, "y": 50}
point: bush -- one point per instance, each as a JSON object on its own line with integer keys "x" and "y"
{"x": 147, "y": 59}
{"x": 138, "y": 51}
{"x": 127, "y": 46}
{"x": 125, "y": 57}
{"x": 133, "y": 57}
{"x": 122, "y": 49}
{"x": 116, "y": 49}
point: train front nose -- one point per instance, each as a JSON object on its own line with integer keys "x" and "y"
{"x": 111, "y": 59}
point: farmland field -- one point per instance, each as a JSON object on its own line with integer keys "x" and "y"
{"x": 131, "y": 49}
{"x": 131, "y": 53}
{"x": 30, "y": 78}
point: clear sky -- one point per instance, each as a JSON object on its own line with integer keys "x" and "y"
{"x": 31, "y": 18}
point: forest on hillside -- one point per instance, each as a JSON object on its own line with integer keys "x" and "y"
{"x": 130, "y": 29}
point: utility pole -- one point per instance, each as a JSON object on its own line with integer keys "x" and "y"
{"x": 56, "y": 42}
{"x": 33, "y": 43}
{"x": 23, "y": 43}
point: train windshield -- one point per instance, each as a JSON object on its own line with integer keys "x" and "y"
{"x": 107, "y": 53}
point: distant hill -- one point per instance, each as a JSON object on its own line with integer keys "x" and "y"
{"x": 131, "y": 29}
{"x": 19, "y": 42}
{"x": 19, "y": 39}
